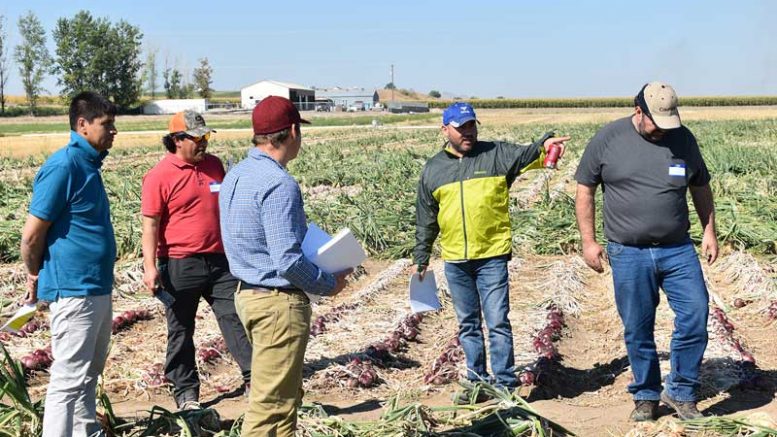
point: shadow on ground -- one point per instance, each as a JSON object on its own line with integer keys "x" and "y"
{"x": 556, "y": 380}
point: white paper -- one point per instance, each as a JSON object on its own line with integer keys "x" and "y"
{"x": 423, "y": 294}
{"x": 331, "y": 254}
{"x": 22, "y": 316}
{"x": 340, "y": 253}
{"x": 314, "y": 239}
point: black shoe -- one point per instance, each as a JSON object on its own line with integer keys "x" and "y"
{"x": 187, "y": 400}
{"x": 465, "y": 395}
{"x": 684, "y": 410}
{"x": 644, "y": 411}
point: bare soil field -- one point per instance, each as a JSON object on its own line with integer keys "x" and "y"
{"x": 585, "y": 389}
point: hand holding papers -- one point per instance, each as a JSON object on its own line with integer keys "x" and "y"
{"x": 15, "y": 323}
{"x": 423, "y": 294}
{"x": 331, "y": 254}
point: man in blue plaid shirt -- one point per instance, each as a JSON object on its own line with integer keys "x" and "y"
{"x": 262, "y": 227}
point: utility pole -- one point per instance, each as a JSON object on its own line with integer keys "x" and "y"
{"x": 393, "y": 85}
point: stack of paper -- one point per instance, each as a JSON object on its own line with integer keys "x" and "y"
{"x": 331, "y": 254}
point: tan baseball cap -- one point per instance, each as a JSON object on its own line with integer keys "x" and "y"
{"x": 661, "y": 102}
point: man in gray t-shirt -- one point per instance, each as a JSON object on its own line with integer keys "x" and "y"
{"x": 646, "y": 163}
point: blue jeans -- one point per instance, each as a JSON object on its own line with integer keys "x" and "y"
{"x": 638, "y": 272}
{"x": 483, "y": 285}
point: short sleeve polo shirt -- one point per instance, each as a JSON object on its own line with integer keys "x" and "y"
{"x": 185, "y": 198}
{"x": 80, "y": 250}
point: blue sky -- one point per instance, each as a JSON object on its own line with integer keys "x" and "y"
{"x": 551, "y": 48}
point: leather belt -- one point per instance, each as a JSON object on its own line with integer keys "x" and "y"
{"x": 243, "y": 286}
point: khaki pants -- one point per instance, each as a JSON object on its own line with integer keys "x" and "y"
{"x": 278, "y": 326}
{"x": 80, "y": 335}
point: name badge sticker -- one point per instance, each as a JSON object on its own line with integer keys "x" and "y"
{"x": 215, "y": 187}
{"x": 677, "y": 170}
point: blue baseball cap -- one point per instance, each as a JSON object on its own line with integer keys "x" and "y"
{"x": 458, "y": 113}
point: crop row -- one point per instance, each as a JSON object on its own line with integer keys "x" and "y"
{"x": 385, "y": 166}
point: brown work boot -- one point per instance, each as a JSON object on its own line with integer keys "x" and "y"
{"x": 685, "y": 410}
{"x": 644, "y": 411}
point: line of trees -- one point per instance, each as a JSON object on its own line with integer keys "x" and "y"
{"x": 93, "y": 54}
{"x": 173, "y": 81}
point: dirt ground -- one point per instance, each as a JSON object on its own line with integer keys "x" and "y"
{"x": 584, "y": 391}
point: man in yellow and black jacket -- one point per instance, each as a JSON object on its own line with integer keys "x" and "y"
{"x": 463, "y": 196}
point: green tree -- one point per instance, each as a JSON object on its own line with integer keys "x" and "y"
{"x": 3, "y": 62}
{"x": 95, "y": 54}
{"x": 151, "y": 72}
{"x": 166, "y": 76}
{"x": 435, "y": 94}
{"x": 174, "y": 88}
{"x": 33, "y": 58}
{"x": 203, "y": 78}
{"x": 187, "y": 91}
{"x": 390, "y": 86}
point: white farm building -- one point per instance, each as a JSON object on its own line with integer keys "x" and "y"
{"x": 171, "y": 106}
{"x": 347, "y": 97}
{"x": 302, "y": 96}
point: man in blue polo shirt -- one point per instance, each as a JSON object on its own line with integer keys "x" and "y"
{"x": 69, "y": 250}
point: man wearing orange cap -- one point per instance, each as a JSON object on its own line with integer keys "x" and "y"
{"x": 181, "y": 232}
{"x": 646, "y": 164}
{"x": 263, "y": 225}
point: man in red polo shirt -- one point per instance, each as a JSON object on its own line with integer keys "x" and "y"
{"x": 181, "y": 232}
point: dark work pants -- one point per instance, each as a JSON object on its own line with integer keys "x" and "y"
{"x": 188, "y": 279}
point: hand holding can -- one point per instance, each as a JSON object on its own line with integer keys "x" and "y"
{"x": 554, "y": 149}
{"x": 551, "y": 158}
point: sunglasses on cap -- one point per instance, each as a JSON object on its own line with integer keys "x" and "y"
{"x": 199, "y": 139}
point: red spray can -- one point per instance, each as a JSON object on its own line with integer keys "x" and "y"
{"x": 552, "y": 157}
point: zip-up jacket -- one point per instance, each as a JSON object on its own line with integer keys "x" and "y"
{"x": 466, "y": 200}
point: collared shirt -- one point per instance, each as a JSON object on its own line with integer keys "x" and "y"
{"x": 263, "y": 225}
{"x": 185, "y": 198}
{"x": 80, "y": 247}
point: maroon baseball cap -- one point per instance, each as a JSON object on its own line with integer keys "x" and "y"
{"x": 274, "y": 114}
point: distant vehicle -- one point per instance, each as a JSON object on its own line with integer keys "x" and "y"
{"x": 356, "y": 106}
{"x": 323, "y": 107}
